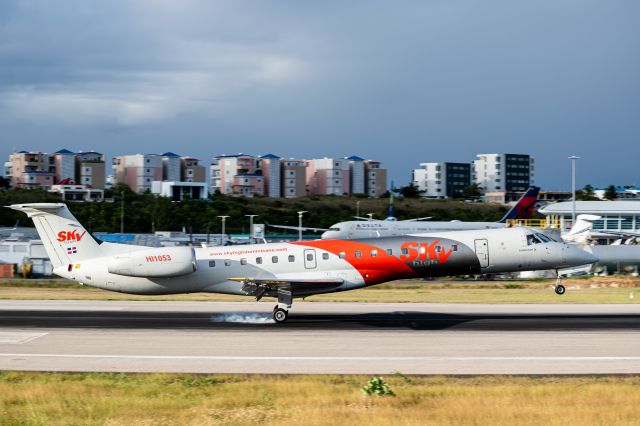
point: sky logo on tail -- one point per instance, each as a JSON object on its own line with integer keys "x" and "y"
{"x": 72, "y": 236}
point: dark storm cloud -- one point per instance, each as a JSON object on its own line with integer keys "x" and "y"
{"x": 403, "y": 82}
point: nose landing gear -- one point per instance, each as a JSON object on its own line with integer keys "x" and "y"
{"x": 559, "y": 288}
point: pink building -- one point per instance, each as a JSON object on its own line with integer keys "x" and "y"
{"x": 326, "y": 176}
{"x": 138, "y": 171}
{"x": 225, "y": 169}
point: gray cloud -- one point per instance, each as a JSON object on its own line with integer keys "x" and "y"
{"x": 402, "y": 82}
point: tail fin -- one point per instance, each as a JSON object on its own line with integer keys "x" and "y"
{"x": 580, "y": 230}
{"x": 524, "y": 207}
{"x": 64, "y": 239}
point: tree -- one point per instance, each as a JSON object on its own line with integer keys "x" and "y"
{"x": 610, "y": 193}
{"x": 409, "y": 191}
{"x": 4, "y": 183}
{"x": 472, "y": 191}
{"x": 586, "y": 194}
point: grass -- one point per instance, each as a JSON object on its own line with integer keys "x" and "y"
{"x": 579, "y": 290}
{"x": 175, "y": 399}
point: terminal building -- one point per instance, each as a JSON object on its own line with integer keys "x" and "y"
{"x": 616, "y": 216}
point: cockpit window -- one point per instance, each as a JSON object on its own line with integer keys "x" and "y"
{"x": 533, "y": 239}
{"x": 544, "y": 238}
{"x": 334, "y": 229}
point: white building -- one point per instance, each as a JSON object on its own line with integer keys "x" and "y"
{"x": 616, "y": 215}
{"x": 171, "y": 167}
{"x": 71, "y": 192}
{"x": 442, "y": 180}
{"x": 503, "y": 177}
{"x": 358, "y": 174}
{"x": 32, "y": 252}
{"x": 179, "y": 191}
{"x": 270, "y": 166}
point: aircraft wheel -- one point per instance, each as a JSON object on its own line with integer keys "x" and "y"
{"x": 280, "y": 315}
{"x": 560, "y": 289}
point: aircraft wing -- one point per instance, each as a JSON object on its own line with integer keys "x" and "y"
{"x": 284, "y": 288}
{"x": 417, "y": 219}
{"x": 288, "y": 281}
{"x": 297, "y": 228}
{"x": 621, "y": 234}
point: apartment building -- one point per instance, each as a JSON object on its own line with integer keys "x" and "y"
{"x": 503, "y": 177}
{"x": 43, "y": 170}
{"x": 375, "y": 183}
{"x": 32, "y": 169}
{"x": 236, "y": 175}
{"x": 270, "y": 165}
{"x": 442, "y": 180}
{"x": 191, "y": 170}
{"x": 328, "y": 176}
{"x": 293, "y": 177}
{"x": 90, "y": 170}
{"x": 138, "y": 171}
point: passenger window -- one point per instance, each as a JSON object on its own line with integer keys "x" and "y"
{"x": 243, "y": 261}
{"x": 258, "y": 260}
{"x": 342, "y": 255}
{"x": 274, "y": 259}
{"x": 309, "y": 257}
{"x": 227, "y": 262}
{"x": 404, "y": 250}
{"x": 358, "y": 253}
{"x": 454, "y": 247}
{"x": 374, "y": 253}
{"x": 292, "y": 258}
{"x": 325, "y": 256}
{"x": 423, "y": 249}
{"x": 438, "y": 249}
{"x": 212, "y": 264}
{"x": 389, "y": 252}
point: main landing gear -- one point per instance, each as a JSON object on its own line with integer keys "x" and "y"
{"x": 560, "y": 290}
{"x": 285, "y": 300}
{"x": 280, "y": 314}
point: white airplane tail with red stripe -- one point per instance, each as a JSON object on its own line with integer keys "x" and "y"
{"x": 65, "y": 239}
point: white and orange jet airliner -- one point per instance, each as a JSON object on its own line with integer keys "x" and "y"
{"x": 289, "y": 270}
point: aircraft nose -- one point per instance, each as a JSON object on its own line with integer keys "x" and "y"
{"x": 575, "y": 256}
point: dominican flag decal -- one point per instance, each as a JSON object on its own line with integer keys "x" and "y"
{"x": 72, "y": 250}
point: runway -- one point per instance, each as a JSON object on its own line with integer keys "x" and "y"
{"x": 367, "y": 338}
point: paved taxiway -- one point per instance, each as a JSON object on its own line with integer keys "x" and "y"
{"x": 319, "y": 338}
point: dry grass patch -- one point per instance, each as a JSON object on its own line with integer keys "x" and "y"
{"x": 124, "y": 399}
{"x": 615, "y": 289}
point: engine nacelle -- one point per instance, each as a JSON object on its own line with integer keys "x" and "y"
{"x": 161, "y": 262}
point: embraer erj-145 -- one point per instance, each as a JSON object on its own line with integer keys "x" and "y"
{"x": 288, "y": 270}
{"x": 387, "y": 228}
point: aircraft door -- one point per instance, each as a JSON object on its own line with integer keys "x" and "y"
{"x": 482, "y": 251}
{"x": 310, "y": 258}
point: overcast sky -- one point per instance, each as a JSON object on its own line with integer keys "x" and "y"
{"x": 403, "y": 82}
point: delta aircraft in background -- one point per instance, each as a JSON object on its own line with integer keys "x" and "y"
{"x": 523, "y": 209}
{"x": 288, "y": 270}
{"x": 369, "y": 228}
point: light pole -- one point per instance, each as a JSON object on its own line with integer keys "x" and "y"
{"x": 224, "y": 218}
{"x": 251, "y": 216}
{"x": 358, "y": 208}
{"x": 573, "y": 159}
{"x": 300, "y": 213}
{"x": 122, "y": 212}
